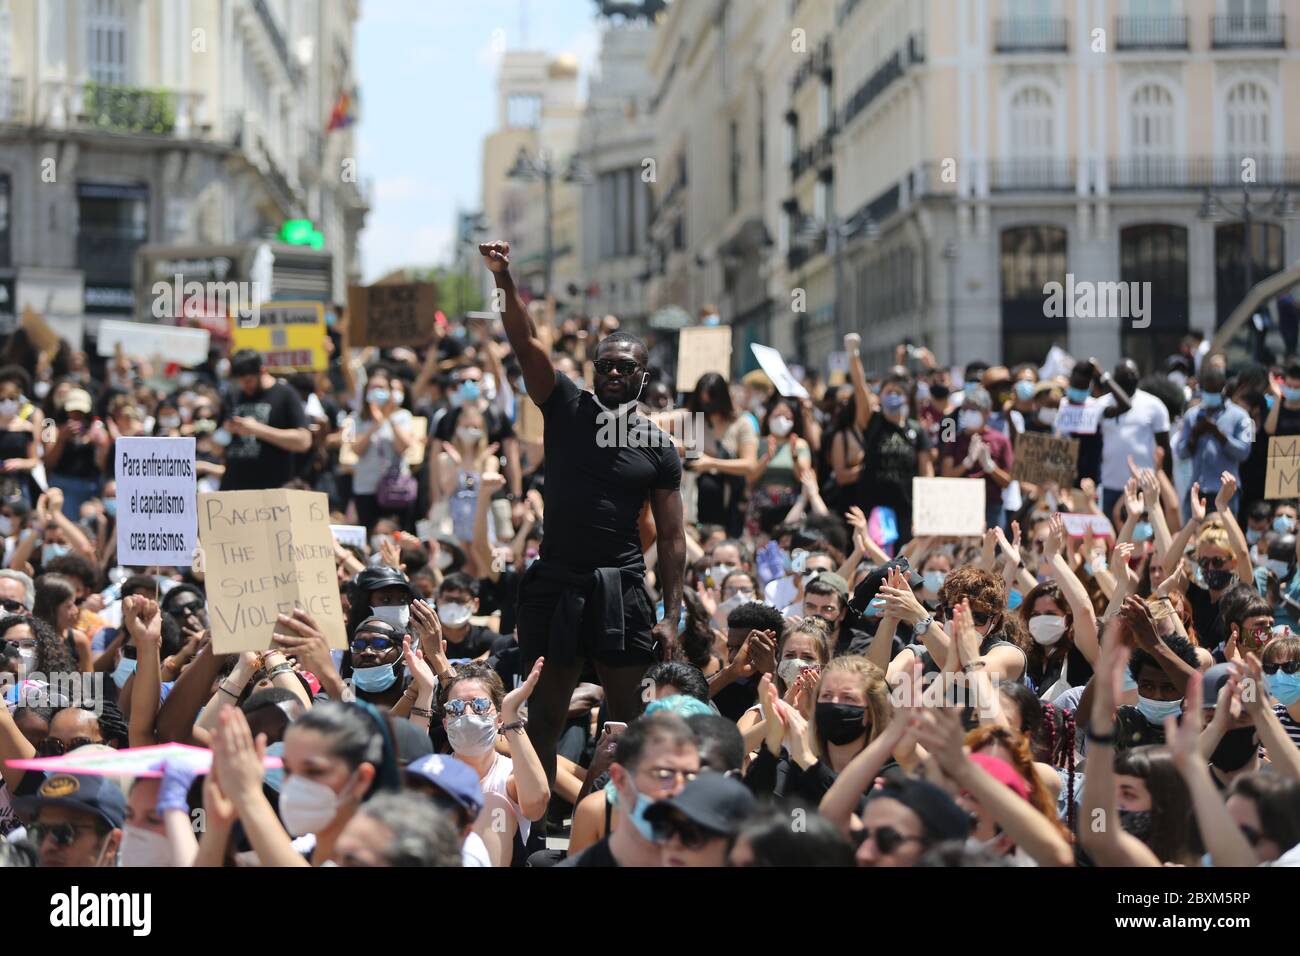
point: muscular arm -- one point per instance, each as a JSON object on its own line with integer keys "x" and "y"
{"x": 666, "y": 504}
{"x": 539, "y": 375}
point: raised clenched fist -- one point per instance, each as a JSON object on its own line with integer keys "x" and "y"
{"x": 496, "y": 255}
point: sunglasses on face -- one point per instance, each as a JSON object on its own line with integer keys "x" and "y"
{"x": 978, "y": 618}
{"x": 1286, "y": 667}
{"x": 624, "y": 366}
{"x": 63, "y": 834}
{"x": 887, "y": 838}
{"x": 378, "y": 644}
{"x": 1212, "y": 564}
{"x": 663, "y": 775}
{"x": 13, "y": 607}
{"x": 690, "y": 834}
{"x": 54, "y": 747}
{"x": 479, "y": 705}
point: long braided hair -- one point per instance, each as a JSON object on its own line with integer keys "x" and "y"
{"x": 1057, "y": 726}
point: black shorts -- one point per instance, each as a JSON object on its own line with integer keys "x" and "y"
{"x": 538, "y": 598}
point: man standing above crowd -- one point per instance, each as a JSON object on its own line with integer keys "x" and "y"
{"x": 585, "y": 597}
{"x": 1134, "y": 434}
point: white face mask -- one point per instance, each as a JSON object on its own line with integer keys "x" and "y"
{"x": 780, "y": 427}
{"x": 141, "y": 847}
{"x": 971, "y": 420}
{"x": 469, "y": 436}
{"x": 1047, "y": 629}
{"x": 28, "y": 656}
{"x": 9, "y": 406}
{"x": 471, "y": 734}
{"x": 398, "y": 615}
{"x": 453, "y": 614}
{"x": 1047, "y": 415}
{"x": 790, "y": 669}
{"x": 307, "y": 806}
{"x": 6, "y": 525}
{"x": 719, "y": 572}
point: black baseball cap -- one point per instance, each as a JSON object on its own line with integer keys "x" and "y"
{"x": 939, "y": 813}
{"x": 865, "y": 592}
{"x": 97, "y": 795}
{"x": 712, "y": 800}
{"x": 383, "y": 576}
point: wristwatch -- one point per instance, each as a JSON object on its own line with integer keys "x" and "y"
{"x": 923, "y": 625}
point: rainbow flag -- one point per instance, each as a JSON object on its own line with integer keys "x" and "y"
{"x": 341, "y": 116}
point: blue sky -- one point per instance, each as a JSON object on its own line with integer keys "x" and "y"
{"x": 427, "y": 73}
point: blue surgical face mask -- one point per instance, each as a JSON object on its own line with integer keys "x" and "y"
{"x": 1143, "y": 531}
{"x": 637, "y": 816}
{"x": 52, "y": 551}
{"x": 275, "y": 778}
{"x": 1284, "y": 524}
{"x": 374, "y": 680}
{"x": 110, "y": 507}
{"x": 1155, "y": 711}
{"x": 934, "y": 580}
{"x": 1212, "y": 400}
{"x": 469, "y": 390}
{"x": 1014, "y": 600}
{"x": 893, "y": 403}
{"x": 875, "y": 608}
{"x": 1025, "y": 389}
{"x": 1285, "y": 688}
{"x": 1253, "y": 536}
{"x": 1077, "y": 395}
{"x": 124, "y": 669}
{"x": 1281, "y": 568}
{"x": 378, "y": 396}
{"x": 1291, "y": 394}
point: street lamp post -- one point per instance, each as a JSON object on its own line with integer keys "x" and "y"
{"x": 540, "y": 167}
{"x": 1277, "y": 205}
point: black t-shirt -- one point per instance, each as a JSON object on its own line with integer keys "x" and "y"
{"x": 737, "y": 697}
{"x": 595, "y": 855}
{"x": 253, "y": 464}
{"x": 1288, "y": 420}
{"x": 500, "y": 595}
{"x": 1134, "y": 730}
{"x": 506, "y": 661}
{"x": 594, "y": 495}
{"x": 478, "y": 640}
{"x": 890, "y": 462}
{"x": 1089, "y": 464}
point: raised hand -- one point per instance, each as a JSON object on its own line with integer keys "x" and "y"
{"x": 419, "y": 669}
{"x": 496, "y": 255}
{"x": 1197, "y": 502}
{"x": 1227, "y": 488}
{"x": 519, "y": 696}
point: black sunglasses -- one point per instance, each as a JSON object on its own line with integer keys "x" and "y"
{"x": 624, "y": 366}
{"x": 887, "y": 838}
{"x": 690, "y": 834}
{"x": 978, "y": 618}
{"x": 55, "y": 747}
{"x": 63, "y": 834}
{"x": 1286, "y": 667}
{"x": 1213, "y": 564}
{"x": 13, "y": 607}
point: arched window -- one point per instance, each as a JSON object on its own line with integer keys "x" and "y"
{"x": 1031, "y": 160}
{"x": 1152, "y": 138}
{"x": 106, "y": 55}
{"x": 1031, "y": 257}
{"x": 1249, "y": 122}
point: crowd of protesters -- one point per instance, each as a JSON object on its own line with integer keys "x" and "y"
{"x": 723, "y": 646}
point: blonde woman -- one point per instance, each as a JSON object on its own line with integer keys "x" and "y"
{"x": 851, "y": 709}
{"x": 461, "y": 465}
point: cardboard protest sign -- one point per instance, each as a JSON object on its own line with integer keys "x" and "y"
{"x": 948, "y": 506}
{"x": 774, "y": 365}
{"x": 156, "y": 521}
{"x": 1041, "y": 458}
{"x": 131, "y": 762}
{"x": 266, "y": 553}
{"x": 531, "y": 426}
{"x": 1078, "y": 419}
{"x": 39, "y": 333}
{"x": 185, "y": 347}
{"x": 353, "y": 534}
{"x": 388, "y": 315}
{"x": 1283, "y": 477}
{"x": 290, "y": 336}
{"x": 1078, "y": 525}
{"x": 703, "y": 349}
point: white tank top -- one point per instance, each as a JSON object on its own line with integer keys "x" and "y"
{"x": 495, "y": 780}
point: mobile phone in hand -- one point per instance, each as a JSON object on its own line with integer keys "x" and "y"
{"x": 613, "y": 727}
